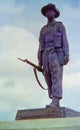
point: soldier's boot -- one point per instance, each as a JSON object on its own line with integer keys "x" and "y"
{"x": 54, "y": 103}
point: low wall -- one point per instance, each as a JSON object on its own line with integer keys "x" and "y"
{"x": 72, "y": 123}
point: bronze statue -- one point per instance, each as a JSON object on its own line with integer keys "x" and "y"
{"x": 53, "y": 53}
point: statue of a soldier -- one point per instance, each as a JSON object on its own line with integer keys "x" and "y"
{"x": 53, "y": 53}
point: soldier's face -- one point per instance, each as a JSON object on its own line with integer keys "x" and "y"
{"x": 50, "y": 13}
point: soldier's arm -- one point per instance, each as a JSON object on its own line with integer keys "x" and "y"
{"x": 65, "y": 44}
{"x": 40, "y": 50}
{"x": 41, "y": 45}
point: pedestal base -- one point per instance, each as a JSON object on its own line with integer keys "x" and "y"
{"x": 46, "y": 113}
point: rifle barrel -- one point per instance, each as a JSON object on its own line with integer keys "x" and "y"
{"x": 32, "y": 64}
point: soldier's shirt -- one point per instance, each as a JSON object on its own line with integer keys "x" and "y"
{"x": 55, "y": 34}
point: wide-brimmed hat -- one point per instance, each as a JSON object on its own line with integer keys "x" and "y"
{"x": 50, "y": 6}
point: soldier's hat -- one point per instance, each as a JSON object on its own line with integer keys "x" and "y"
{"x": 50, "y": 6}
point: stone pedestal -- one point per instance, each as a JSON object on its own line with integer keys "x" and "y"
{"x": 44, "y": 119}
{"x": 46, "y": 113}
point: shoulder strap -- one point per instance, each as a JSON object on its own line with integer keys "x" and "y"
{"x": 35, "y": 73}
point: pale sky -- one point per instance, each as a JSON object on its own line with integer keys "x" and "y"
{"x": 20, "y": 24}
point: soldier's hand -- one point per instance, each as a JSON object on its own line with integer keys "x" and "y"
{"x": 66, "y": 59}
{"x": 39, "y": 67}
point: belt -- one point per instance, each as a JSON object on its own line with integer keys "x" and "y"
{"x": 58, "y": 47}
{"x": 51, "y": 44}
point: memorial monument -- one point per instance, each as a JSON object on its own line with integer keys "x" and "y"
{"x": 53, "y": 54}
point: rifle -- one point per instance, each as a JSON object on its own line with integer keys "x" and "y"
{"x": 32, "y": 64}
{"x": 35, "y": 72}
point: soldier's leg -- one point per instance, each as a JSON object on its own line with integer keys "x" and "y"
{"x": 49, "y": 83}
{"x": 56, "y": 71}
{"x": 56, "y": 78}
{"x": 56, "y": 89}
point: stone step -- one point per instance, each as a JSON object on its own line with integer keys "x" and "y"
{"x": 72, "y": 123}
